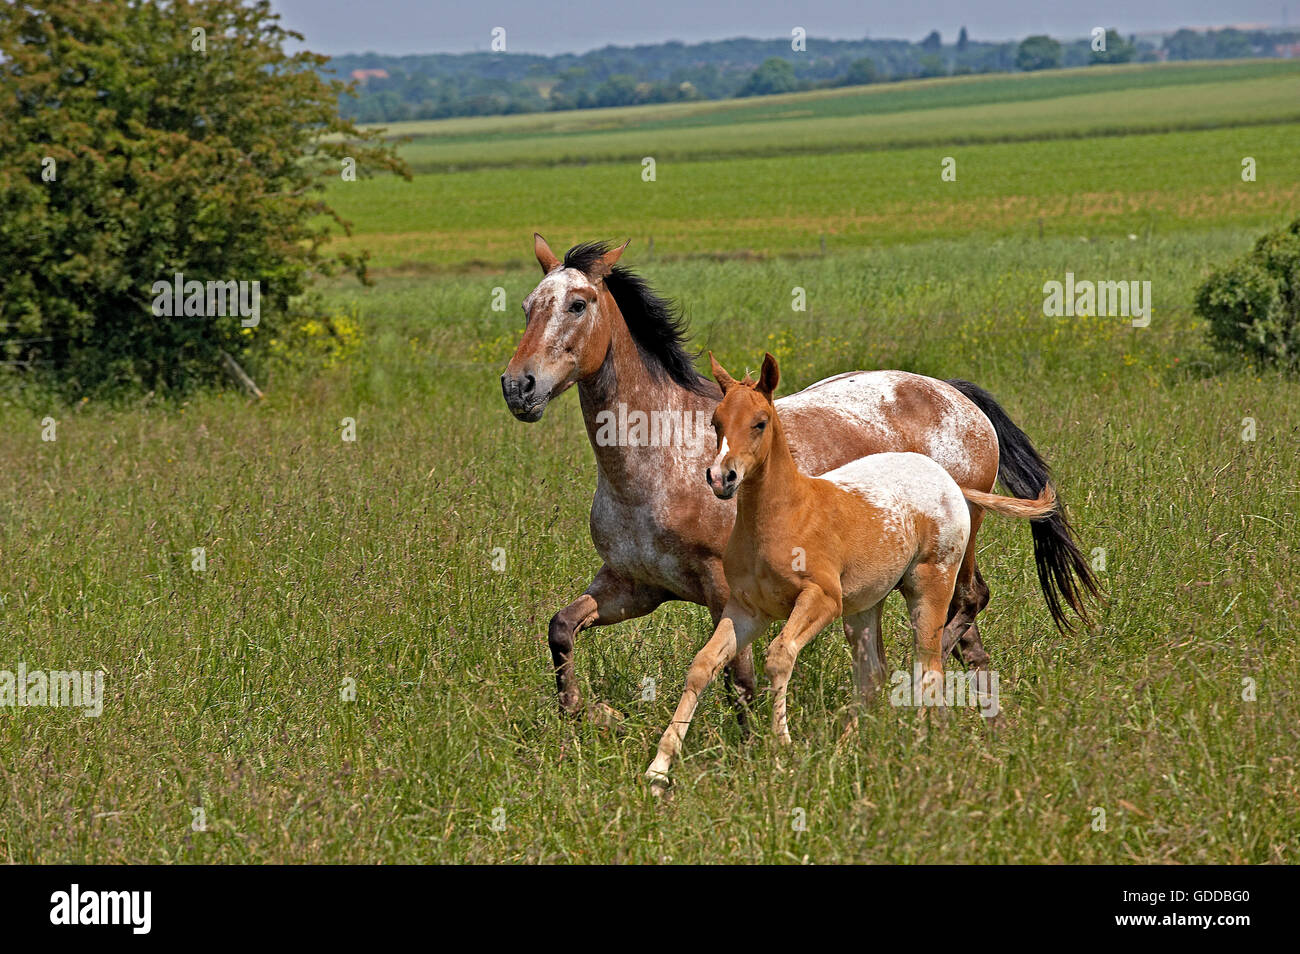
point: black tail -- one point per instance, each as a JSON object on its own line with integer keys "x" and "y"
{"x": 1063, "y": 573}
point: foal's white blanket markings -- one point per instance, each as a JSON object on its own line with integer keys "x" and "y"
{"x": 885, "y": 521}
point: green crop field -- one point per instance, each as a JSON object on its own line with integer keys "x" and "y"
{"x": 368, "y": 565}
{"x": 1111, "y": 186}
{"x": 1077, "y": 157}
{"x": 994, "y": 108}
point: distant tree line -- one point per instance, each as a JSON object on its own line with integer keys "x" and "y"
{"x": 439, "y": 85}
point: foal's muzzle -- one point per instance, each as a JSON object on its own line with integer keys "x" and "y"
{"x": 723, "y": 484}
{"x": 523, "y": 397}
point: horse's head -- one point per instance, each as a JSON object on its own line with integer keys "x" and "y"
{"x": 744, "y": 422}
{"x": 567, "y": 331}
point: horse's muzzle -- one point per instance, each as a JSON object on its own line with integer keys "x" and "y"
{"x": 522, "y": 396}
{"x": 722, "y": 484}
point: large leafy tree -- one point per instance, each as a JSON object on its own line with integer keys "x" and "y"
{"x": 774, "y": 75}
{"x": 141, "y": 138}
{"x": 1118, "y": 50}
{"x": 861, "y": 73}
{"x": 1038, "y": 53}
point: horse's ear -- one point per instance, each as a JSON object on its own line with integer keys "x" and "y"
{"x": 725, "y": 381}
{"x": 769, "y": 376}
{"x": 545, "y": 257}
{"x": 605, "y": 264}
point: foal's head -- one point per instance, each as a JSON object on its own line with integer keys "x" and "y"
{"x": 567, "y": 333}
{"x": 744, "y": 422}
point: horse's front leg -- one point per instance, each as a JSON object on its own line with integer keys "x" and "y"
{"x": 609, "y": 599}
{"x": 735, "y": 631}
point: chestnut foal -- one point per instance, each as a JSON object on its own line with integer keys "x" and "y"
{"x": 808, "y": 550}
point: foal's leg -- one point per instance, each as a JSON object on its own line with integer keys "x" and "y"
{"x": 609, "y": 599}
{"x": 739, "y": 677}
{"x": 928, "y": 589}
{"x": 813, "y": 610}
{"x": 961, "y": 636}
{"x": 735, "y": 631}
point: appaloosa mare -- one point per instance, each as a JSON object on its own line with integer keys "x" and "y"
{"x": 659, "y": 531}
{"x": 808, "y": 550}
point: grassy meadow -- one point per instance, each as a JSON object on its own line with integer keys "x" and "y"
{"x": 369, "y": 564}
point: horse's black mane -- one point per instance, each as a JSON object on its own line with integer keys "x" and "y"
{"x": 657, "y": 324}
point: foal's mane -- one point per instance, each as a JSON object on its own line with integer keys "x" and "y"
{"x": 656, "y": 324}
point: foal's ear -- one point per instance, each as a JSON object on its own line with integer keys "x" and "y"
{"x": 725, "y": 381}
{"x": 545, "y": 257}
{"x": 769, "y": 376}
{"x": 605, "y": 264}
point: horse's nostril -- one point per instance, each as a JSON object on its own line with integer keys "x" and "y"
{"x": 708, "y": 475}
{"x": 529, "y": 384}
{"x": 731, "y": 476}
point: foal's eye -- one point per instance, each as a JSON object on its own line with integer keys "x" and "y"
{"x": 578, "y": 307}
{"x": 760, "y": 425}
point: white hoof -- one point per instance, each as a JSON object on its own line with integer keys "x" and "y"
{"x": 658, "y": 781}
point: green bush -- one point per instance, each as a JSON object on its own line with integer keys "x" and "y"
{"x": 140, "y": 139}
{"x": 1253, "y": 305}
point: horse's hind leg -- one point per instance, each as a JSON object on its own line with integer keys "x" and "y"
{"x": 609, "y": 599}
{"x": 867, "y": 645}
{"x": 867, "y": 649}
{"x": 928, "y": 589}
{"x": 972, "y": 649}
{"x": 961, "y": 635}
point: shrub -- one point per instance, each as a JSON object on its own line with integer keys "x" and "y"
{"x": 1253, "y": 304}
{"x": 133, "y": 148}
{"x": 317, "y": 338}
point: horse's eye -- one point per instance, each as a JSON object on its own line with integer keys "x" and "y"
{"x": 760, "y": 425}
{"x": 578, "y": 307}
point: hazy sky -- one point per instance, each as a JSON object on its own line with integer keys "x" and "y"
{"x": 545, "y": 26}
